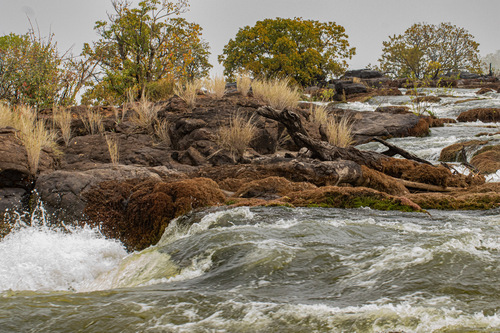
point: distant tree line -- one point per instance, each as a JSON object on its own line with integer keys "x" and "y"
{"x": 143, "y": 50}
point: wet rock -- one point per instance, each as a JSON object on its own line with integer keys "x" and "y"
{"x": 483, "y": 91}
{"x": 487, "y": 159}
{"x": 11, "y": 198}
{"x": 345, "y": 88}
{"x": 63, "y": 191}
{"x": 458, "y": 152}
{"x": 485, "y": 115}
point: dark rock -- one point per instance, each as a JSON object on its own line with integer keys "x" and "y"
{"x": 483, "y": 91}
{"x": 427, "y": 99}
{"x": 345, "y": 88}
{"x": 11, "y": 198}
{"x": 364, "y": 73}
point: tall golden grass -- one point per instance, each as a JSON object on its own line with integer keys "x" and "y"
{"x": 318, "y": 114}
{"x": 33, "y": 133}
{"x": 243, "y": 84}
{"x": 145, "y": 113}
{"x": 216, "y": 86}
{"x": 339, "y": 132}
{"x": 276, "y": 93}
{"x": 62, "y": 119}
{"x": 113, "y": 148}
{"x": 161, "y": 131}
{"x": 92, "y": 120}
{"x": 237, "y": 136}
{"x": 6, "y": 116}
{"x": 188, "y": 92}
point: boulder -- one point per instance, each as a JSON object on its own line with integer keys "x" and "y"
{"x": 345, "y": 88}
{"x": 483, "y": 91}
{"x": 487, "y": 159}
{"x": 393, "y": 109}
{"x": 363, "y": 73}
{"x": 458, "y": 152}
{"x": 367, "y": 124}
{"x": 485, "y": 115}
{"x": 11, "y": 199}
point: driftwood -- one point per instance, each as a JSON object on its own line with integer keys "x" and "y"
{"x": 321, "y": 150}
{"x": 394, "y": 150}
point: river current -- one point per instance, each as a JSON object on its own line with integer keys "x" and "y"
{"x": 268, "y": 269}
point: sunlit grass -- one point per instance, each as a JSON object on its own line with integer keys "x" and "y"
{"x": 237, "y": 136}
{"x": 276, "y": 93}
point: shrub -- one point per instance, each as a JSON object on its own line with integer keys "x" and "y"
{"x": 243, "y": 84}
{"x": 216, "y": 86}
{"x": 276, "y": 93}
{"x": 160, "y": 90}
{"x": 237, "y": 136}
{"x": 339, "y": 132}
{"x": 188, "y": 92}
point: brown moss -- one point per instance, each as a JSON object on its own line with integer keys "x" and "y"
{"x": 487, "y": 115}
{"x": 137, "y": 212}
{"x": 453, "y": 153}
{"x": 470, "y": 201}
{"x": 381, "y": 182}
{"x": 420, "y": 129}
{"x": 349, "y": 197}
{"x": 483, "y": 91}
{"x": 271, "y": 187}
{"x": 487, "y": 160}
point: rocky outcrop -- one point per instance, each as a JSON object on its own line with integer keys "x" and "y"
{"x": 486, "y": 115}
{"x": 64, "y": 191}
{"x": 363, "y": 73}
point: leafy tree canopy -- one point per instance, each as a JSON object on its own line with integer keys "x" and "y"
{"x": 428, "y": 51}
{"x": 31, "y": 71}
{"x": 305, "y": 51}
{"x": 145, "y": 44}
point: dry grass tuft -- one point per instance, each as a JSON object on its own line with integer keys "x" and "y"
{"x": 339, "y": 132}
{"x": 92, "y": 120}
{"x": 243, "y": 84}
{"x": 34, "y": 135}
{"x": 319, "y": 115}
{"x": 145, "y": 113}
{"x": 276, "y": 93}
{"x": 161, "y": 131}
{"x": 188, "y": 92}
{"x": 62, "y": 119}
{"x": 113, "y": 148}
{"x": 6, "y": 116}
{"x": 237, "y": 136}
{"x": 216, "y": 86}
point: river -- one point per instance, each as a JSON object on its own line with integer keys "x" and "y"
{"x": 268, "y": 269}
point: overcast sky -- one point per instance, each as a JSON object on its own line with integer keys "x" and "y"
{"x": 367, "y": 22}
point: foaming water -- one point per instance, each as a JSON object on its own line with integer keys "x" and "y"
{"x": 39, "y": 257}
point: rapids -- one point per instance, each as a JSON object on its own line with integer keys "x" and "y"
{"x": 268, "y": 269}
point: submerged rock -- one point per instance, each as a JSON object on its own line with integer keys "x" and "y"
{"x": 487, "y": 115}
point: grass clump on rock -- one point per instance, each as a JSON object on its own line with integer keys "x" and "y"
{"x": 276, "y": 93}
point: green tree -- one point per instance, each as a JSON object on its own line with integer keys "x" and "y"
{"x": 145, "y": 44}
{"x": 428, "y": 51}
{"x": 306, "y": 51}
{"x": 31, "y": 71}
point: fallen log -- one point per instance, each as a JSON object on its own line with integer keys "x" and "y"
{"x": 395, "y": 150}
